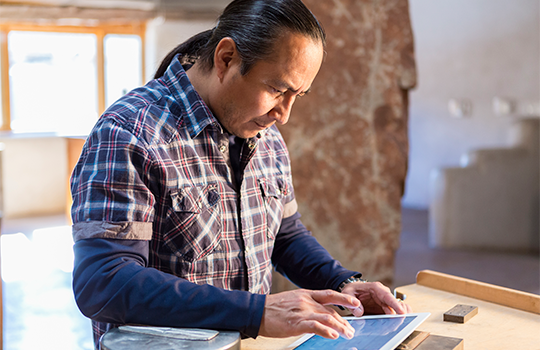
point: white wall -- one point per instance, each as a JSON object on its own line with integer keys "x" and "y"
{"x": 163, "y": 36}
{"x": 467, "y": 49}
{"x": 34, "y": 175}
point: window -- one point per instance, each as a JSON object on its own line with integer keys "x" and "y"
{"x": 53, "y": 81}
{"x": 61, "y": 79}
{"x": 123, "y": 65}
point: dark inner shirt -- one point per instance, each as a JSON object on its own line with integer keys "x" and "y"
{"x": 235, "y": 148}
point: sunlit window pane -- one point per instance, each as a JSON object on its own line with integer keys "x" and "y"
{"x": 53, "y": 81}
{"x": 123, "y": 65}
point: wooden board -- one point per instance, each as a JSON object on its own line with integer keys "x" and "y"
{"x": 495, "y": 327}
{"x": 479, "y": 290}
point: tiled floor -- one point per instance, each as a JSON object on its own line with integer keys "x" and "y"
{"x": 40, "y": 312}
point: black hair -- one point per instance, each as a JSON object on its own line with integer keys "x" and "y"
{"x": 254, "y": 25}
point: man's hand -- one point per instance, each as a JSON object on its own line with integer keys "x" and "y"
{"x": 303, "y": 311}
{"x": 375, "y": 298}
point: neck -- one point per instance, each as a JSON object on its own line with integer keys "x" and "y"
{"x": 200, "y": 81}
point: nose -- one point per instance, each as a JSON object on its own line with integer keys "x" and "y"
{"x": 281, "y": 112}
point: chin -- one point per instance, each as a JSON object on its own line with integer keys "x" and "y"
{"x": 246, "y": 134}
{"x": 249, "y": 135}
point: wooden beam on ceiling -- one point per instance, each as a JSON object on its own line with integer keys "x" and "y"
{"x": 86, "y": 16}
{"x": 145, "y": 5}
{"x": 71, "y": 15}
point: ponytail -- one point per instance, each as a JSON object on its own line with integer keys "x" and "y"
{"x": 190, "y": 51}
{"x": 255, "y": 26}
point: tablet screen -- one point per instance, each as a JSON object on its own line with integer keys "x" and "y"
{"x": 379, "y": 332}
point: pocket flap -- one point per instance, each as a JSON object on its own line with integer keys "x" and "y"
{"x": 192, "y": 199}
{"x": 275, "y": 187}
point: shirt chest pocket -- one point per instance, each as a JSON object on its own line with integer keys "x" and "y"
{"x": 274, "y": 190}
{"x": 194, "y": 225}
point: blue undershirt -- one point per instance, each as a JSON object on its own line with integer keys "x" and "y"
{"x": 113, "y": 284}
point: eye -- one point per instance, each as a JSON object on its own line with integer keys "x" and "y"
{"x": 276, "y": 91}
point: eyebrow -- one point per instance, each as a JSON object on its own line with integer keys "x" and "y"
{"x": 283, "y": 85}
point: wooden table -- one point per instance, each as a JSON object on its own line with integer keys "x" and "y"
{"x": 506, "y": 319}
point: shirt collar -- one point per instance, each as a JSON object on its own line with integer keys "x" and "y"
{"x": 197, "y": 115}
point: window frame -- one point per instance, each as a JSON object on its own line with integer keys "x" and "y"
{"x": 100, "y": 31}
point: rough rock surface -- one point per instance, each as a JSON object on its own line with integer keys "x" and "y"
{"x": 348, "y": 137}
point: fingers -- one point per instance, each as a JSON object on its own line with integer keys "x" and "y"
{"x": 300, "y": 311}
{"x": 329, "y": 325}
{"x": 326, "y": 322}
{"x": 408, "y": 307}
{"x": 328, "y": 297}
{"x": 375, "y": 298}
{"x": 359, "y": 311}
{"x": 350, "y": 302}
{"x": 387, "y": 301}
{"x": 391, "y": 305}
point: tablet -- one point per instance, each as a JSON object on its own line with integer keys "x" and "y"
{"x": 378, "y": 332}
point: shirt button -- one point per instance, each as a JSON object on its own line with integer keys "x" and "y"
{"x": 251, "y": 146}
{"x": 223, "y": 148}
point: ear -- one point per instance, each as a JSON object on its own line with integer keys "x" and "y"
{"x": 225, "y": 57}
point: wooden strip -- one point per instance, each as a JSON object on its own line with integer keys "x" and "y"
{"x": 101, "y": 71}
{"x": 109, "y": 28}
{"x": 413, "y": 340}
{"x": 74, "y": 149}
{"x": 4, "y": 77}
{"x": 480, "y": 290}
{"x": 142, "y": 34}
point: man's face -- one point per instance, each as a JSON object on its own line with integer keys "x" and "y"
{"x": 255, "y": 101}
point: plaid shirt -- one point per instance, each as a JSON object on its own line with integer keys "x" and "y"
{"x": 153, "y": 169}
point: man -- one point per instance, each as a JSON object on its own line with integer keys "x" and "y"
{"x": 183, "y": 197}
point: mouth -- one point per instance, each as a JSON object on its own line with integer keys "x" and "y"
{"x": 262, "y": 126}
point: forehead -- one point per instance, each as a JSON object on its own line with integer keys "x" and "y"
{"x": 295, "y": 59}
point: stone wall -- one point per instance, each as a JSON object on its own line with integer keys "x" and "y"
{"x": 348, "y": 137}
